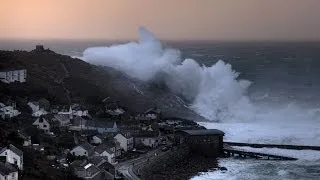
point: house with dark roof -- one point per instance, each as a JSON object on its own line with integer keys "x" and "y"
{"x": 102, "y": 127}
{"x": 64, "y": 120}
{"x": 86, "y": 170}
{"x": 13, "y": 155}
{"x": 8, "y": 172}
{"x": 106, "y": 149}
{"x": 36, "y": 110}
{"x": 45, "y": 123}
{"x": 147, "y": 138}
{"x": 84, "y": 149}
{"x": 78, "y": 123}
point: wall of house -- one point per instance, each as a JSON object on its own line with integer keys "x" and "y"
{"x": 45, "y": 126}
{"x": 79, "y": 151}
{"x": 111, "y": 157}
{"x": 150, "y": 142}
{"x": 11, "y": 176}
{"x": 123, "y": 141}
{"x": 13, "y": 158}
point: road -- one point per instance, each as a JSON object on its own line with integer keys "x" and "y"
{"x": 126, "y": 168}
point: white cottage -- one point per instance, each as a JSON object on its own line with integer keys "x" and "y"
{"x": 9, "y": 76}
{"x": 106, "y": 150}
{"x": 8, "y": 111}
{"x": 147, "y": 138}
{"x": 84, "y": 149}
{"x": 36, "y": 110}
{"x": 45, "y": 123}
{"x": 13, "y": 155}
{"x": 8, "y": 172}
{"x": 125, "y": 140}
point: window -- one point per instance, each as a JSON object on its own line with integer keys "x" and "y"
{"x": 5, "y": 153}
{"x": 45, "y": 126}
{"x": 85, "y": 152}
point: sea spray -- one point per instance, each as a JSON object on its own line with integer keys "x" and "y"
{"x": 214, "y": 92}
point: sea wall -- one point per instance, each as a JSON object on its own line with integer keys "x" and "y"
{"x": 157, "y": 167}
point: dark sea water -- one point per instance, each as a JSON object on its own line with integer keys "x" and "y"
{"x": 285, "y": 87}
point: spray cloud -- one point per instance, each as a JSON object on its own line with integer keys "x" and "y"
{"x": 214, "y": 92}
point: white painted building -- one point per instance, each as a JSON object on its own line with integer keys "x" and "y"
{"x": 106, "y": 150}
{"x": 125, "y": 140}
{"x": 96, "y": 139}
{"x": 43, "y": 124}
{"x": 147, "y": 138}
{"x": 8, "y": 111}
{"x": 13, "y": 155}
{"x": 36, "y": 110}
{"x": 9, "y": 76}
{"x": 84, "y": 149}
{"x": 8, "y": 172}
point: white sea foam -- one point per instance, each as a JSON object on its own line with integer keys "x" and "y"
{"x": 214, "y": 92}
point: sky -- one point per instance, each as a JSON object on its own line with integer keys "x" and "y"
{"x": 168, "y": 19}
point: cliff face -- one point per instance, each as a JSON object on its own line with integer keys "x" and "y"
{"x": 62, "y": 79}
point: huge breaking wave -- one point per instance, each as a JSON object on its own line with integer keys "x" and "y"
{"x": 213, "y": 92}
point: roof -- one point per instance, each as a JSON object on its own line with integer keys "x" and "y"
{"x": 62, "y": 117}
{"x": 78, "y": 163}
{"x": 13, "y": 149}
{"x": 101, "y": 124}
{"x": 6, "y": 169}
{"x": 106, "y": 165}
{"x": 76, "y": 121}
{"x": 126, "y": 134}
{"x": 203, "y": 132}
{"x": 104, "y": 147}
{"x": 147, "y": 134}
{"x": 87, "y": 146}
{"x": 97, "y": 160}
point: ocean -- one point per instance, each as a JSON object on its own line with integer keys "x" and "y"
{"x": 277, "y": 101}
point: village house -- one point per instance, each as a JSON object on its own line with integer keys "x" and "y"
{"x": 8, "y": 172}
{"x": 36, "y": 110}
{"x": 78, "y": 124}
{"x": 106, "y": 150}
{"x": 78, "y": 110}
{"x": 44, "y": 123}
{"x": 66, "y": 111}
{"x": 84, "y": 149}
{"x": 26, "y": 139}
{"x": 147, "y": 138}
{"x": 125, "y": 140}
{"x": 13, "y": 155}
{"x": 12, "y": 75}
{"x": 7, "y": 112}
{"x": 102, "y": 127}
{"x": 96, "y": 139}
{"x": 62, "y": 119}
{"x": 102, "y": 164}
{"x": 152, "y": 113}
{"x": 84, "y": 169}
